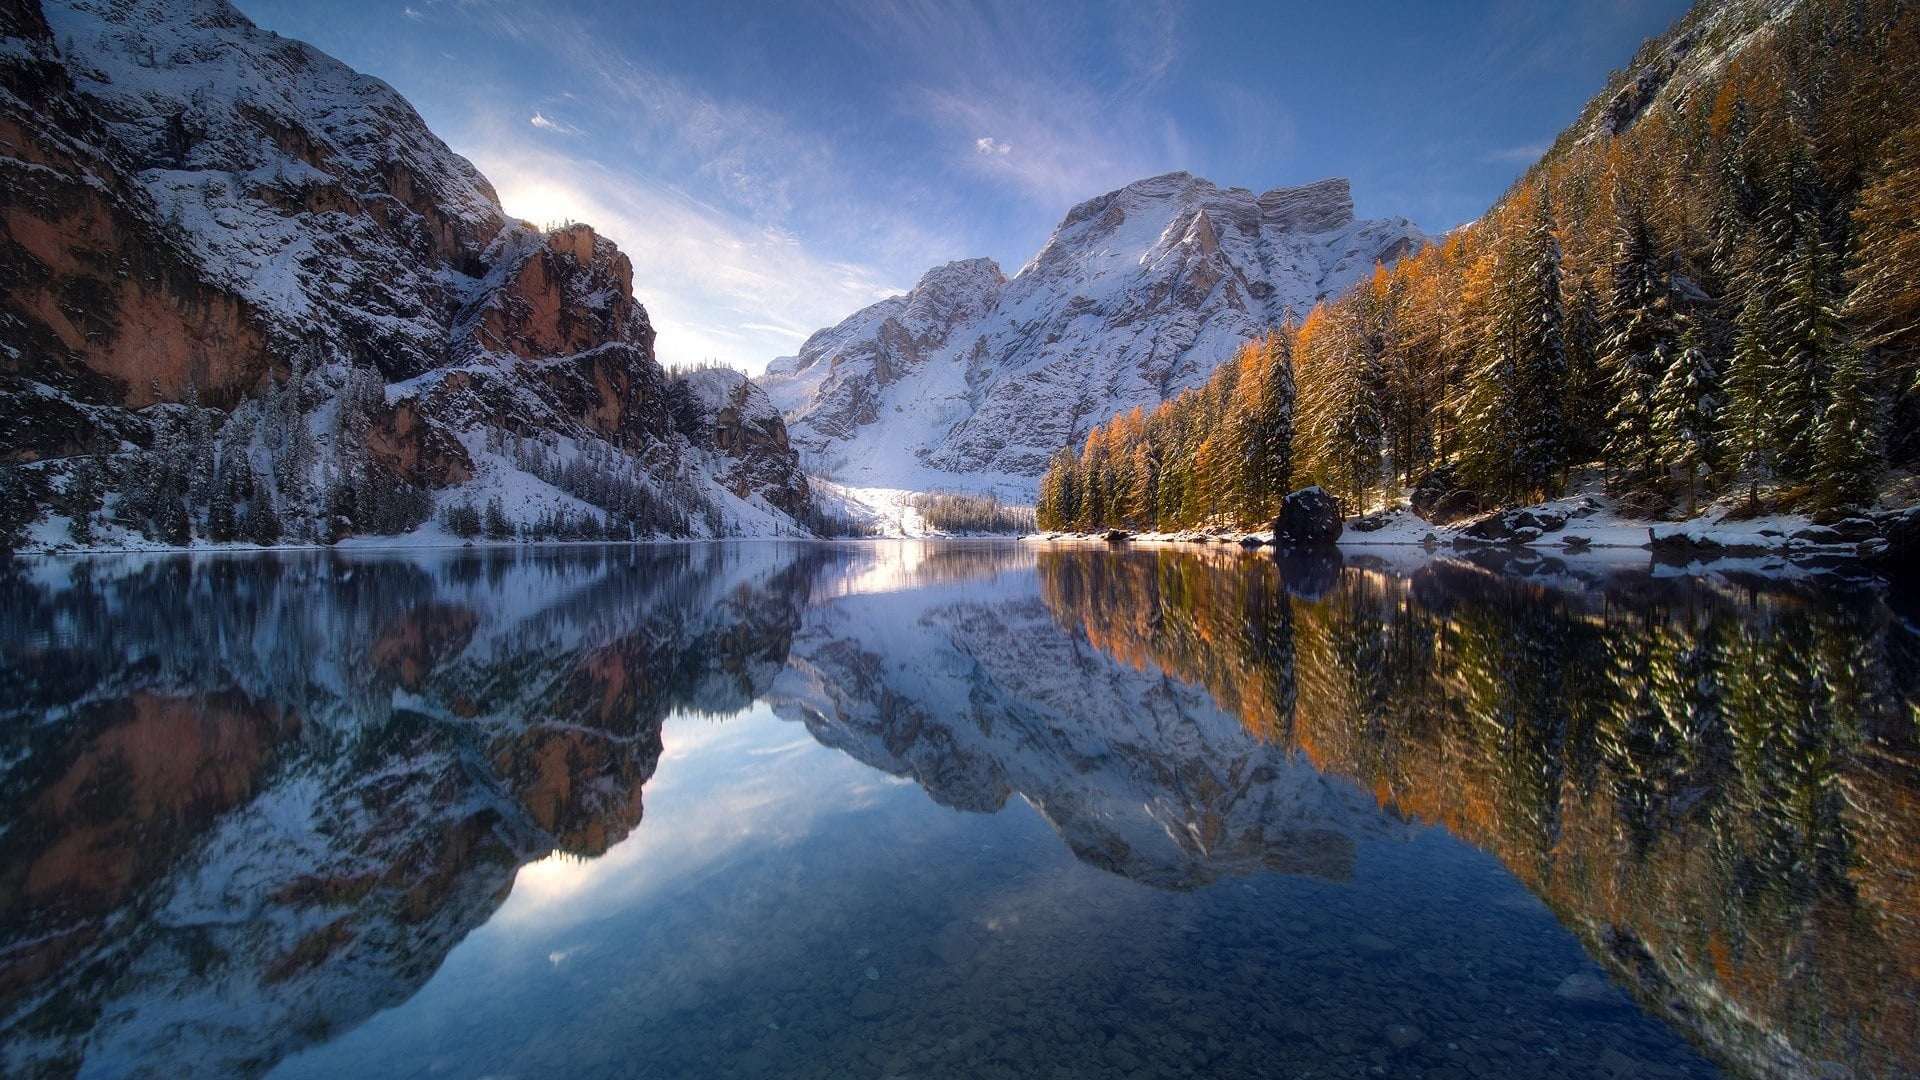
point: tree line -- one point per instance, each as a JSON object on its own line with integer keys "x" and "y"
{"x": 1701, "y": 293}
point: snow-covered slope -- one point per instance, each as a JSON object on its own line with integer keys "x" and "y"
{"x": 972, "y": 380}
{"x": 196, "y": 211}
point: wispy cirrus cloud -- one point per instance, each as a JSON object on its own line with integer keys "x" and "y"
{"x": 1523, "y": 154}
{"x": 558, "y": 127}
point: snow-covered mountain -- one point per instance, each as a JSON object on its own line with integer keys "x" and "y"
{"x": 199, "y": 214}
{"x": 972, "y": 380}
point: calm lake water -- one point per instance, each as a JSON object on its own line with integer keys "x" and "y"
{"x": 953, "y": 809}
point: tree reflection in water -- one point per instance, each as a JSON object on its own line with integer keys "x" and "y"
{"x": 1713, "y": 781}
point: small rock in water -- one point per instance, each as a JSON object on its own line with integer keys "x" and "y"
{"x": 868, "y": 1004}
{"x": 873, "y": 973}
{"x": 1617, "y": 1065}
{"x": 1404, "y": 1036}
{"x": 955, "y": 946}
{"x": 1586, "y": 990}
{"x": 1373, "y": 946}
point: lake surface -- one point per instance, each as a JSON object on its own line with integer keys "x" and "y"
{"x": 958, "y": 809}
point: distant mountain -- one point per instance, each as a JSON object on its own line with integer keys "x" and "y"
{"x": 972, "y": 380}
{"x": 247, "y": 284}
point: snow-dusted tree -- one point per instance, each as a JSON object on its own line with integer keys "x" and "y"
{"x": 1639, "y": 345}
{"x": 498, "y": 525}
{"x": 1513, "y": 433}
{"x": 17, "y": 509}
{"x": 1807, "y": 335}
{"x": 1686, "y": 412}
{"x": 261, "y": 524}
{"x": 1847, "y": 469}
{"x": 1269, "y": 446}
{"x": 1585, "y": 394}
{"x": 1744, "y": 417}
{"x": 83, "y": 498}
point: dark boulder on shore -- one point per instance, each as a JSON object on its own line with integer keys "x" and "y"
{"x": 1439, "y": 498}
{"x": 1115, "y": 536}
{"x": 1900, "y": 529}
{"x": 1308, "y": 518}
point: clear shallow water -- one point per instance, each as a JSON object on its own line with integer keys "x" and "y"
{"x": 963, "y": 809}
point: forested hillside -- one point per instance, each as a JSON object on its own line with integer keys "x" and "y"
{"x": 1707, "y": 288}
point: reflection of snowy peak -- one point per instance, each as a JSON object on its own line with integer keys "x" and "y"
{"x": 980, "y": 699}
{"x": 973, "y": 380}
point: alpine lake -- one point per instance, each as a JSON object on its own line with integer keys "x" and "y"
{"x": 982, "y": 809}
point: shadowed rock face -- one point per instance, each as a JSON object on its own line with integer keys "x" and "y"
{"x": 195, "y": 208}
{"x": 727, "y": 414}
{"x": 1137, "y": 296}
{"x": 296, "y": 802}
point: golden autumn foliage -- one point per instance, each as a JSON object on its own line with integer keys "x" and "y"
{"x": 1708, "y": 285}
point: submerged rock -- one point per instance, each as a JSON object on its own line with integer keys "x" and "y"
{"x": 1404, "y": 1036}
{"x": 1585, "y": 990}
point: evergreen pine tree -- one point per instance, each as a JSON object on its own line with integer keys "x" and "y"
{"x": 1637, "y": 348}
{"x": 261, "y": 523}
{"x": 83, "y": 497}
{"x": 1686, "y": 412}
{"x": 1513, "y": 434}
{"x": 1808, "y": 334}
{"x": 17, "y": 509}
{"x": 1847, "y": 469}
{"x": 498, "y": 526}
{"x": 1270, "y": 453}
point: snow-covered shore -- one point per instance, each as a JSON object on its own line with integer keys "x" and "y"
{"x": 1590, "y": 521}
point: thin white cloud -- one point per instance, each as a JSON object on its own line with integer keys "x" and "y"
{"x": 987, "y": 144}
{"x": 558, "y": 127}
{"x": 1524, "y": 154}
{"x": 783, "y": 331}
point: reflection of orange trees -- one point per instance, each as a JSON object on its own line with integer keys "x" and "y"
{"x": 1219, "y": 620}
{"x": 1718, "y": 793}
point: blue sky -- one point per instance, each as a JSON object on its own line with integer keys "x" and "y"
{"x": 773, "y": 167}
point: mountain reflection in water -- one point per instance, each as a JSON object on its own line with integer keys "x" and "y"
{"x": 250, "y": 802}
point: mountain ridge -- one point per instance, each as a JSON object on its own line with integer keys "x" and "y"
{"x": 1138, "y": 294}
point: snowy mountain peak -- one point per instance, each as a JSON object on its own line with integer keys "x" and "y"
{"x": 973, "y": 381}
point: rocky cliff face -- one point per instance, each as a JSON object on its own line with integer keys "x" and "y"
{"x": 972, "y": 380}
{"x": 725, "y": 414}
{"x": 196, "y": 211}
